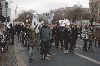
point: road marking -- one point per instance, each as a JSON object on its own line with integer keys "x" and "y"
{"x": 81, "y": 40}
{"x": 77, "y": 45}
{"x": 87, "y": 58}
{"x": 81, "y": 46}
{"x": 76, "y": 48}
{"x": 49, "y": 55}
{"x": 48, "y": 58}
{"x": 54, "y": 54}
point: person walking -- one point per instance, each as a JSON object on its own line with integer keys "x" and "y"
{"x": 56, "y": 35}
{"x": 32, "y": 43}
{"x": 85, "y": 37}
{"x": 18, "y": 30}
{"x": 91, "y": 37}
{"x": 74, "y": 35}
{"x": 61, "y": 40}
{"x": 12, "y": 33}
{"x": 67, "y": 38}
{"x": 45, "y": 36}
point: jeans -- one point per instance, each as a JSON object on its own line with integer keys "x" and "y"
{"x": 31, "y": 52}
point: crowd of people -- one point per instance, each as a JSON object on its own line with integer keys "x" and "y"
{"x": 63, "y": 37}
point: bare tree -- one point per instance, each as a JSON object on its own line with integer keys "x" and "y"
{"x": 77, "y": 12}
{"x": 25, "y": 15}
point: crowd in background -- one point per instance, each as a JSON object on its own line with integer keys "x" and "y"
{"x": 63, "y": 37}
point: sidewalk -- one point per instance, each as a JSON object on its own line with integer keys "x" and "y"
{"x": 8, "y": 58}
{"x": 22, "y": 60}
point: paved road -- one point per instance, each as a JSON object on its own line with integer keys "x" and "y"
{"x": 8, "y": 58}
{"x": 17, "y": 55}
{"x": 79, "y": 58}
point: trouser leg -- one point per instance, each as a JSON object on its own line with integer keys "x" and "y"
{"x": 42, "y": 49}
{"x": 61, "y": 41}
{"x": 95, "y": 41}
{"x": 56, "y": 43}
{"x": 90, "y": 45}
{"x": 46, "y": 49}
{"x": 85, "y": 45}
{"x": 22, "y": 40}
{"x": 75, "y": 44}
{"x": 66, "y": 44}
{"x": 12, "y": 38}
{"x": 71, "y": 46}
{"x": 18, "y": 36}
{"x": 41, "y": 52}
{"x": 30, "y": 52}
{"x": 49, "y": 48}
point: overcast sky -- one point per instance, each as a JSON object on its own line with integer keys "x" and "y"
{"x": 45, "y": 5}
{"x": 42, "y": 6}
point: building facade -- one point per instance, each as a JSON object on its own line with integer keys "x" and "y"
{"x": 95, "y": 10}
{"x": 0, "y": 10}
{"x": 4, "y": 12}
{"x": 4, "y": 9}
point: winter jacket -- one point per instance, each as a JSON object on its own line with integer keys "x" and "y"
{"x": 32, "y": 37}
{"x": 45, "y": 34}
{"x": 74, "y": 34}
{"x": 67, "y": 34}
{"x": 56, "y": 32}
{"x": 61, "y": 29}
